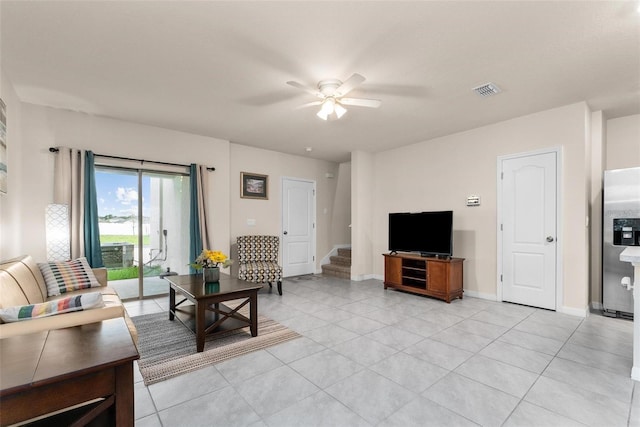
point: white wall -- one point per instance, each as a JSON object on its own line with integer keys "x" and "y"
{"x": 10, "y": 215}
{"x": 47, "y": 127}
{"x": 598, "y": 131}
{"x": 363, "y": 189}
{"x": 341, "y": 233}
{"x": 623, "y": 142}
{"x": 439, "y": 174}
{"x": 267, "y": 213}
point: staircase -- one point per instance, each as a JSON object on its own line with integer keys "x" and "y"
{"x": 340, "y": 265}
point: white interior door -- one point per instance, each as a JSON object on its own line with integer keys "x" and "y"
{"x": 529, "y": 229}
{"x": 298, "y": 227}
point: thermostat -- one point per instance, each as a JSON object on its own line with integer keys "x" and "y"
{"x": 473, "y": 201}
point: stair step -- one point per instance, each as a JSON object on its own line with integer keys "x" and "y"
{"x": 338, "y": 268}
{"x": 336, "y": 271}
{"x": 340, "y": 260}
{"x": 344, "y": 252}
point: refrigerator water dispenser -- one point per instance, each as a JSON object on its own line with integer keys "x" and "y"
{"x": 626, "y": 231}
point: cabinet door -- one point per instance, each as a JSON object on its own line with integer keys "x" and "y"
{"x": 438, "y": 277}
{"x": 393, "y": 270}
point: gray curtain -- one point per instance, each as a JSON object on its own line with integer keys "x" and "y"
{"x": 199, "y": 228}
{"x": 202, "y": 175}
{"x": 74, "y": 186}
{"x": 68, "y": 185}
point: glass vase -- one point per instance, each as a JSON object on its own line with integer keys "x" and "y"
{"x": 211, "y": 274}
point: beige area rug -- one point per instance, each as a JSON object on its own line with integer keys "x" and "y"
{"x": 168, "y": 349}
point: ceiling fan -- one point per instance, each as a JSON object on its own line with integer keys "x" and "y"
{"x": 331, "y": 93}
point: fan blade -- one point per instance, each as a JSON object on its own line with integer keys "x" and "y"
{"x": 308, "y": 104}
{"x": 350, "y": 84}
{"x": 307, "y": 89}
{"x": 360, "y": 102}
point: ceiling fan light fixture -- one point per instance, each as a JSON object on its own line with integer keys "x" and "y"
{"x": 328, "y": 106}
{"x": 332, "y": 96}
{"x": 322, "y": 114}
{"x": 340, "y": 110}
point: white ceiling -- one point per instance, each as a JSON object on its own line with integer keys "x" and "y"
{"x": 219, "y": 68}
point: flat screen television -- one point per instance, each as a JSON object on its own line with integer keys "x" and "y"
{"x": 430, "y": 233}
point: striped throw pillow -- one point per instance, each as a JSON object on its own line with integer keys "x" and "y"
{"x": 67, "y": 276}
{"x": 51, "y": 308}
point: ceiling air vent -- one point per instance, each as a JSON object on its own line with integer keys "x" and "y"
{"x": 487, "y": 89}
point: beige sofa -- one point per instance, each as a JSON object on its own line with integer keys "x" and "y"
{"x": 21, "y": 283}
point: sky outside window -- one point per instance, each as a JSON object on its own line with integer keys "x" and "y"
{"x": 118, "y": 193}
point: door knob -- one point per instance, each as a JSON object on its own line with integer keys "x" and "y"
{"x": 549, "y": 239}
{"x": 284, "y": 232}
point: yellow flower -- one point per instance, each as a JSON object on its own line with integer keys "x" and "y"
{"x": 217, "y": 256}
{"x": 210, "y": 258}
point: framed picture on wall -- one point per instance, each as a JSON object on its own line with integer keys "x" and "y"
{"x": 3, "y": 148}
{"x": 253, "y": 186}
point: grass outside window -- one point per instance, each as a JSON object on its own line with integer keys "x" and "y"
{"x": 124, "y": 238}
{"x": 132, "y": 272}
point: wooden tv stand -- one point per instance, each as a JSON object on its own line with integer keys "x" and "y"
{"x": 435, "y": 277}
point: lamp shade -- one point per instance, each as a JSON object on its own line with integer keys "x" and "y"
{"x": 57, "y": 231}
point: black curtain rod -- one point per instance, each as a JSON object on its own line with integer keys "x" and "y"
{"x": 55, "y": 150}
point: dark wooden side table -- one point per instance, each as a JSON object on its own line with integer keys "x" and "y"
{"x": 45, "y": 372}
{"x": 207, "y": 315}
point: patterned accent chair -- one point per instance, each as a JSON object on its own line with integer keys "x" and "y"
{"x": 258, "y": 260}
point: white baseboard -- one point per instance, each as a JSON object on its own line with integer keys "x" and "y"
{"x": 361, "y": 277}
{"x": 574, "y": 311}
{"x": 566, "y": 310}
{"x": 635, "y": 373}
{"x": 481, "y": 295}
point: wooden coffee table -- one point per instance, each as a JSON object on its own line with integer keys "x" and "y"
{"x": 207, "y": 315}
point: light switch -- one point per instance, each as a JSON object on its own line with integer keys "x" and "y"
{"x": 473, "y": 201}
{"x": 251, "y": 222}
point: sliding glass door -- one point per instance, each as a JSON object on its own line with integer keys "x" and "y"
{"x": 144, "y": 228}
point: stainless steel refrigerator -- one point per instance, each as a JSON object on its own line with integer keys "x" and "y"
{"x": 620, "y": 228}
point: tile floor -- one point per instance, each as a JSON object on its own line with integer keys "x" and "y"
{"x": 370, "y": 357}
